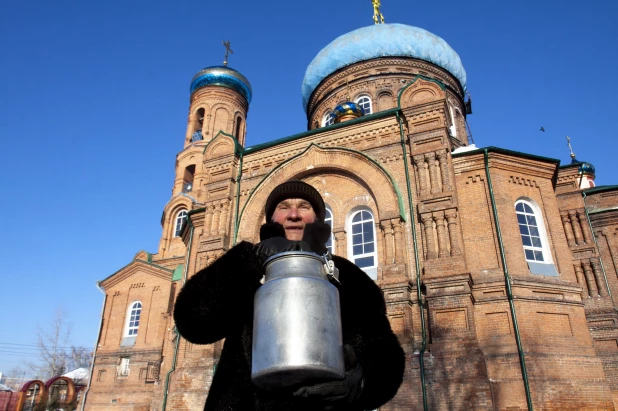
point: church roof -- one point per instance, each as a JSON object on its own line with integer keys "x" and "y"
{"x": 381, "y": 40}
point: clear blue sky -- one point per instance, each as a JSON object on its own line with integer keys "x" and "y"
{"x": 94, "y": 99}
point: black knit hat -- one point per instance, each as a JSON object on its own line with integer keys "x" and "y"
{"x": 296, "y": 189}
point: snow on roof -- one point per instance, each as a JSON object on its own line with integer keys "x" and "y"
{"x": 4, "y": 388}
{"x": 78, "y": 374}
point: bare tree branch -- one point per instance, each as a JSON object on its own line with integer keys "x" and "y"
{"x": 51, "y": 342}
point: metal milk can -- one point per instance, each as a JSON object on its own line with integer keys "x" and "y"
{"x": 297, "y": 334}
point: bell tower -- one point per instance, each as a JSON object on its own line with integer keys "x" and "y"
{"x": 219, "y": 103}
{"x": 220, "y": 98}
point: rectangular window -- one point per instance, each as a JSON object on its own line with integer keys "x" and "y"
{"x": 123, "y": 369}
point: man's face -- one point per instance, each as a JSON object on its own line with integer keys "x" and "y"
{"x": 293, "y": 214}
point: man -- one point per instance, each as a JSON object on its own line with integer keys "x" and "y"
{"x": 217, "y": 303}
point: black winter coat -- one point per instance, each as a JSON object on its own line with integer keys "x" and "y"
{"x": 217, "y": 303}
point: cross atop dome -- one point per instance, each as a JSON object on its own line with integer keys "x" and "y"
{"x": 378, "y": 18}
{"x": 227, "y": 51}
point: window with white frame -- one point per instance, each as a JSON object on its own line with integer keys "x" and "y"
{"x": 365, "y": 103}
{"x": 330, "y": 244}
{"x": 362, "y": 246}
{"x": 133, "y": 317}
{"x": 534, "y": 238}
{"x": 180, "y": 217}
{"x": 327, "y": 119}
{"x": 123, "y": 367}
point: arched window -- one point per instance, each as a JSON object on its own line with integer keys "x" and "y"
{"x": 365, "y": 103}
{"x": 534, "y": 238}
{"x": 133, "y": 316}
{"x": 238, "y": 127}
{"x": 327, "y": 119}
{"x": 180, "y": 218}
{"x": 330, "y": 244}
{"x": 199, "y": 122}
{"x": 187, "y": 183}
{"x": 362, "y": 244}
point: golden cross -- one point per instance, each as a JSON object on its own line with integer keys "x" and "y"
{"x": 570, "y": 148}
{"x": 227, "y": 51}
{"x": 378, "y": 18}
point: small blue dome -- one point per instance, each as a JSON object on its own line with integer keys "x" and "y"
{"x": 583, "y": 167}
{"x": 381, "y": 40}
{"x": 586, "y": 168}
{"x": 347, "y": 108}
{"x": 222, "y": 76}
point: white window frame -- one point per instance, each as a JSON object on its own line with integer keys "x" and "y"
{"x": 329, "y": 219}
{"x": 178, "y": 223}
{"x": 372, "y": 271}
{"x": 545, "y": 267}
{"x": 327, "y": 119}
{"x": 124, "y": 368}
{"x": 134, "y": 314}
{"x": 369, "y": 102}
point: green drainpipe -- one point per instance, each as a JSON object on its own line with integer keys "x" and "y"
{"x": 236, "y": 220}
{"x": 184, "y": 280}
{"x": 594, "y": 237}
{"x": 507, "y": 280}
{"x": 419, "y": 295}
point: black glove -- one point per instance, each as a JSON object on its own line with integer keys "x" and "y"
{"x": 334, "y": 394}
{"x": 316, "y": 235}
{"x": 270, "y": 230}
{"x": 273, "y": 241}
{"x": 267, "y": 248}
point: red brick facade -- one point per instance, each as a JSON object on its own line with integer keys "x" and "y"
{"x": 413, "y": 143}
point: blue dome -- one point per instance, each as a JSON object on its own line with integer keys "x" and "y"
{"x": 381, "y": 40}
{"x": 222, "y": 76}
{"x": 583, "y": 167}
{"x": 586, "y": 168}
{"x": 347, "y": 108}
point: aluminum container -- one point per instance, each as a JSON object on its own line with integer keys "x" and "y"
{"x": 297, "y": 323}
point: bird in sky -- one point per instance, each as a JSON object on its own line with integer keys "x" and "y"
{"x": 542, "y": 129}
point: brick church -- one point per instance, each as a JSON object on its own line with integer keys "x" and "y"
{"x": 498, "y": 268}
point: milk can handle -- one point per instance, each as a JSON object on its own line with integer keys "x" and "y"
{"x": 332, "y": 273}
